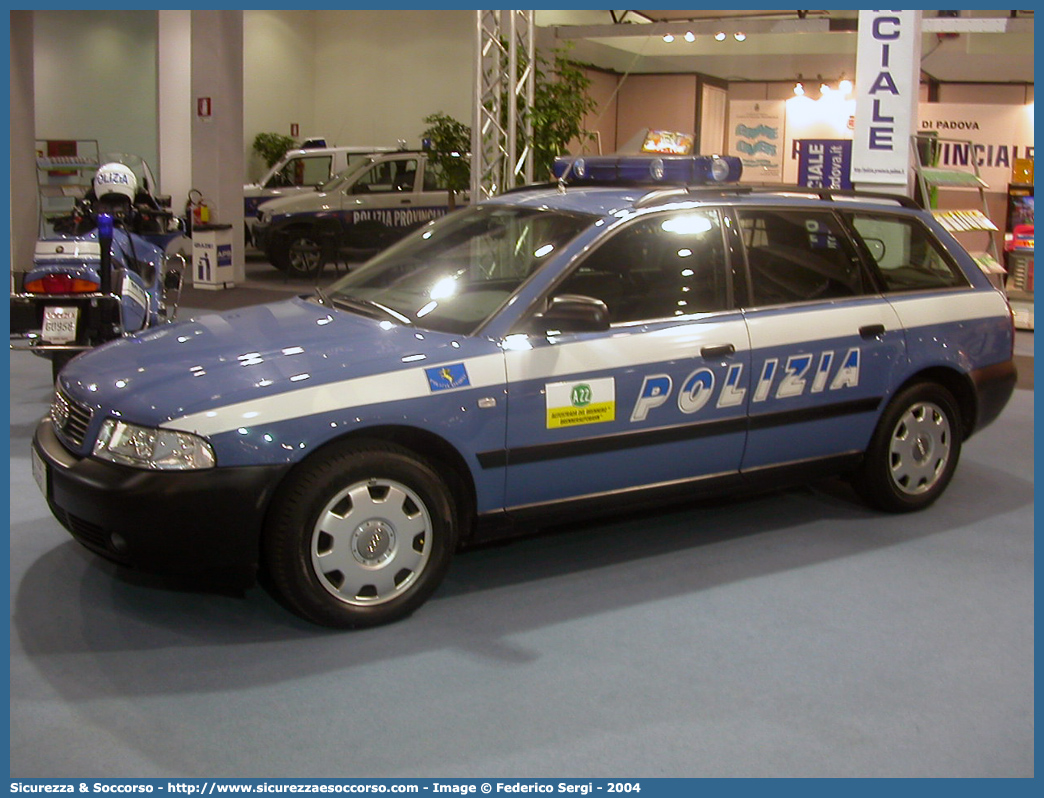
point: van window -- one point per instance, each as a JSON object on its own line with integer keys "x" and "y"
{"x": 907, "y": 255}
{"x": 798, "y": 256}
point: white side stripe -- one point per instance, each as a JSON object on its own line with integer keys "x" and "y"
{"x": 346, "y": 394}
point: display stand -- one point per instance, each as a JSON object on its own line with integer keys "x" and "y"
{"x": 964, "y": 223}
{"x": 64, "y": 171}
{"x": 212, "y": 257}
{"x": 1018, "y": 248}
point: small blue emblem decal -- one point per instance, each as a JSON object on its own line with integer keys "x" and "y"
{"x": 443, "y": 378}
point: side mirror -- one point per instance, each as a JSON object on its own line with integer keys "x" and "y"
{"x": 571, "y": 313}
{"x": 876, "y": 247}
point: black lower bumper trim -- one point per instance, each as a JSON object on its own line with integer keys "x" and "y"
{"x": 192, "y": 523}
{"x": 994, "y": 386}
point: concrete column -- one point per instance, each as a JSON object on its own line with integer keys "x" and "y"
{"x": 24, "y": 218}
{"x": 217, "y": 120}
{"x": 175, "y": 109}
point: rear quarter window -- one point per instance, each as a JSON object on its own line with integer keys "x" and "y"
{"x": 907, "y": 256}
{"x": 799, "y": 256}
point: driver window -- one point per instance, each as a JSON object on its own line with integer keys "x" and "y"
{"x": 310, "y": 171}
{"x": 658, "y": 267}
{"x": 387, "y": 176}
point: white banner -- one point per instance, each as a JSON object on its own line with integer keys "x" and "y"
{"x": 998, "y": 134}
{"x": 887, "y": 84}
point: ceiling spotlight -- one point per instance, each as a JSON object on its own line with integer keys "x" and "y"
{"x": 845, "y": 86}
{"x": 720, "y": 36}
{"x": 799, "y": 90}
{"x": 690, "y": 36}
{"x": 824, "y": 89}
{"x": 668, "y": 37}
{"x": 740, "y": 36}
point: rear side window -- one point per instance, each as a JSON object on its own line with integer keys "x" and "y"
{"x": 799, "y": 256}
{"x": 907, "y": 255}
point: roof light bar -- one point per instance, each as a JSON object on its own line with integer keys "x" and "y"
{"x": 684, "y": 169}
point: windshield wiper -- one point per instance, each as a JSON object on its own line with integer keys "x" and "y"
{"x": 323, "y": 299}
{"x": 367, "y": 307}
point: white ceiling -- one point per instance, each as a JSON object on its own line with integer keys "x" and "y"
{"x": 783, "y": 45}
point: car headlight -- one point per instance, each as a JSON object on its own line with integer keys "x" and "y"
{"x": 156, "y": 449}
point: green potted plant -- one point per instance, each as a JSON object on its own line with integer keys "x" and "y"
{"x": 272, "y": 146}
{"x": 450, "y": 145}
{"x": 560, "y": 103}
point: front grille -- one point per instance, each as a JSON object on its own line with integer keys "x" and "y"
{"x": 88, "y": 535}
{"x": 70, "y": 418}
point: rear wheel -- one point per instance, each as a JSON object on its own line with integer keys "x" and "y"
{"x": 914, "y": 451}
{"x": 360, "y": 536}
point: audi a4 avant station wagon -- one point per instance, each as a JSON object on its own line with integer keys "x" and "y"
{"x": 643, "y": 330}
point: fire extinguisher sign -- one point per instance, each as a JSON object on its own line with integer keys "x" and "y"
{"x": 203, "y": 107}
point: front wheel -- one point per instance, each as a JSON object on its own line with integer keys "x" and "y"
{"x": 914, "y": 450}
{"x": 360, "y": 536}
{"x": 299, "y": 253}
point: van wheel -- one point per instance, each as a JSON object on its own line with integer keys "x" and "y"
{"x": 360, "y": 536}
{"x": 299, "y": 253}
{"x": 914, "y": 450}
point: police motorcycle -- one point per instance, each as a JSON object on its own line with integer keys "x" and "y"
{"x": 112, "y": 267}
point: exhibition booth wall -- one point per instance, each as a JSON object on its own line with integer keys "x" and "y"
{"x": 355, "y": 77}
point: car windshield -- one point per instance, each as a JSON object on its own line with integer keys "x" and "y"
{"x": 455, "y": 273}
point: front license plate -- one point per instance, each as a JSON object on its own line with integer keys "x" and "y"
{"x": 59, "y": 325}
{"x": 39, "y": 471}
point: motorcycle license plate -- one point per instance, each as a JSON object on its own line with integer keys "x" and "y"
{"x": 59, "y": 325}
{"x": 39, "y": 471}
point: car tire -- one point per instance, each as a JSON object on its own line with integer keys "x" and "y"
{"x": 913, "y": 452}
{"x": 360, "y": 535}
{"x": 299, "y": 253}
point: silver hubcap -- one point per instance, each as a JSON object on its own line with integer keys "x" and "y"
{"x": 304, "y": 255}
{"x": 920, "y": 448}
{"x": 371, "y": 542}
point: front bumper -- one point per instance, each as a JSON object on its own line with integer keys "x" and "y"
{"x": 191, "y": 523}
{"x": 259, "y": 234}
{"x": 98, "y": 320}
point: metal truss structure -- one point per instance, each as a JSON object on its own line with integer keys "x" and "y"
{"x": 501, "y": 130}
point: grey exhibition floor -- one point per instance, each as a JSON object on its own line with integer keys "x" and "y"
{"x": 793, "y": 634}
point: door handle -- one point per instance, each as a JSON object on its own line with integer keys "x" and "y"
{"x": 871, "y": 331}
{"x": 722, "y": 350}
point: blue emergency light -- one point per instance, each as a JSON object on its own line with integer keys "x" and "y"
{"x": 665, "y": 169}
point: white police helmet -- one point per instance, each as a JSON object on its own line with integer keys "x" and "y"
{"x": 115, "y": 178}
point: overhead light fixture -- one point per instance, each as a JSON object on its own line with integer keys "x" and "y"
{"x": 720, "y": 36}
{"x": 845, "y": 86}
{"x": 799, "y": 90}
{"x": 740, "y": 36}
{"x": 690, "y": 36}
{"x": 668, "y": 37}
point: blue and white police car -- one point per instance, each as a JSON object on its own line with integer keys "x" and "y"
{"x": 625, "y": 336}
